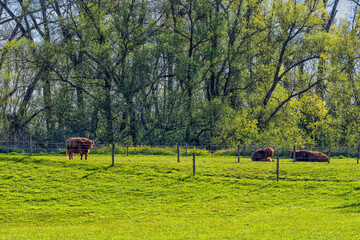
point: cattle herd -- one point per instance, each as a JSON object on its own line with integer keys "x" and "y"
{"x": 265, "y": 154}
{"x": 82, "y": 146}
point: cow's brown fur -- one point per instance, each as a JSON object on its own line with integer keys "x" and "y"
{"x": 78, "y": 146}
{"x": 310, "y": 156}
{"x": 263, "y": 154}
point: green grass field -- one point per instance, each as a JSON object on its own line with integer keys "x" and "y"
{"x": 154, "y": 197}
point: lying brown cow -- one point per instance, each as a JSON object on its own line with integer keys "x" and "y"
{"x": 78, "y": 146}
{"x": 309, "y": 156}
{"x": 263, "y": 154}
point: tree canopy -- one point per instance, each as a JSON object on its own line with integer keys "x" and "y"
{"x": 209, "y": 72}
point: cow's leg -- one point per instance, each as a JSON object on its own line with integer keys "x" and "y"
{"x": 85, "y": 156}
{"x": 81, "y": 155}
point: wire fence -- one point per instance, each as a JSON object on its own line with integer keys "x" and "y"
{"x": 57, "y": 147}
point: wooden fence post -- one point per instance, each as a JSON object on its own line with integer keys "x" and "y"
{"x": 127, "y": 150}
{"x": 178, "y": 154}
{"x": 238, "y": 152}
{"x": 194, "y": 164}
{"x": 113, "y": 154}
{"x": 294, "y": 155}
{"x": 244, "y": 150}
{"x": 277, "y": 168}
{"x": 358, "y": 154}
{"x": 8, "y": 147}
{"x": 329, "y": 154}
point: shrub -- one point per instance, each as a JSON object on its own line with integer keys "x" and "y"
{"x": 3, "y": 149}
{"x": 18, "y": 153}
{"x": 147, "y": 150}
{"x": 198, "y": 152}
{"x": 228, "y": 152}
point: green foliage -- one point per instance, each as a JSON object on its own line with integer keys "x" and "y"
{"x": 197, "y": 152}
{"x": 228, "y": 152}
{"x": 180, "y": 72}
{"x": 284, "y": 130}
{"x": 231, "y": 127}
{"x": 18, "y": 152}
{"x": 3, "y": 149}
{"x": 147, "y": 150}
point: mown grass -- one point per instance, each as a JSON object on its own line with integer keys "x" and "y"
{"x": 154, "y": 197}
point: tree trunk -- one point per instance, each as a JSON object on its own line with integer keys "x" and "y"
{"x": 321, "y": 87}
{"x": 108, "y": 111}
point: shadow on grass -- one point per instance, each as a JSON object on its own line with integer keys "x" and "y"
{"x": 18, "y": 159}
{"x": 96, "y": 170}
{"x": 351, "y": 208}
{"x": 23, "y": 159}
{"x": 44, "y": 161}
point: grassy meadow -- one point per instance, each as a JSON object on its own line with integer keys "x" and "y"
{"x": 155, "y": 197}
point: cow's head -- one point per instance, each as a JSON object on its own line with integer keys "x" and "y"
{"x": 91, "y": 143}
{"x": 87, "y": 143}
{"x": 269, "y": 151}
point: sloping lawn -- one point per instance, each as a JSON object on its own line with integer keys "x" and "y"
{"x": 154, "y": 197}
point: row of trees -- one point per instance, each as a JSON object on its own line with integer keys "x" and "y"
{"x": 180, "y": 71}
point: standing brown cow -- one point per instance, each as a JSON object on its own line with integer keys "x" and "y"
{"x": 78, "y": 146}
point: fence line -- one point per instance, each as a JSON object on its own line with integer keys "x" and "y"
{"x": 235, "y": 150}
{"x": 244, "y": 150}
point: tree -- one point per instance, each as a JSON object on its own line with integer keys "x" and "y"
{"x": 294, "y": 40}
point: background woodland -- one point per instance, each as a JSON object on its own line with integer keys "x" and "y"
{"x": 198, "y": 72}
